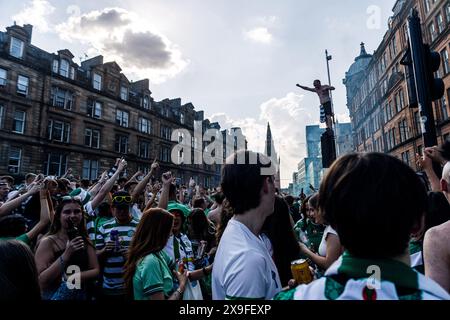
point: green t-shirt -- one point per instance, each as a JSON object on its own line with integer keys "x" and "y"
{"x": 153, "y": 274}
{"x": 312, "y": 233}
{"x": 24, "y": 238}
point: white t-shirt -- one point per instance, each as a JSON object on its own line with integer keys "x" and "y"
{"x": 267, "y": 243}
{"x": 243, "y": 267}
{"x": 323, "y": 244}
{"x": 184, "y": 249}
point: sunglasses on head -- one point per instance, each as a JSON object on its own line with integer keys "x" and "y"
{"x": 120, "y": 199}
{"x": 70, "y": 198}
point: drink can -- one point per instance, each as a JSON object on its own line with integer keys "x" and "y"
{"x": 301, "y": 272}
{"x": 115, "y": 237}
{"x": 181, "y": 266}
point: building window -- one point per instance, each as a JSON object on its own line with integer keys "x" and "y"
{"x": 447, "y": 12}
{"x": 420, "y": 150}
{"x": 64, "y": 68}
{"x": 16, "y": 48}
{"x": 440, "y": 23}
{"x": 443, "y": 106}
{"x": 394, "y": 45}
{"x": 61, "y": 98}
{"x": 146, "y": 102}
{"x": 19, "y": 122}
{"x": 427, "y": 5}
{"x": 445, "y": 62}
{"x": 406, "y": 34}
{"x": 72, "y": 73}
{"x": 145, "y": 125}
{"x": 164, "y": 154}
{"x": 121, "y": 144}
{"x": 144, "y": 149}
{"x": 417, "y": 122}
{"x": 432, "y": 30}
{"x": 398, "y": 106}
{"x": 58, "y": 131}
{"x": 94, "y": 109}
{"x": 2, "y": 114}
{"x": 405, "y": 158}
{"x": 97, "y": 82}
{"x": 22, "y": 85}
{"x": 124, "y": 93}
{"x": 55, "y": 66}
{"x": 122, "y": 118}
{"x": 14, "y": 160}
{"x": 166, "y": 133}
{"x": 56, "y": 164}
{"x": 3, "y": 77}
{"x": 92, "y": 138}
{"x": 391, "y": 139}
{"x": 182, "y": 118}
{"x": 90, "y": 169}
{"x": 403, "y": 130}
{"x": 402, "y": 98}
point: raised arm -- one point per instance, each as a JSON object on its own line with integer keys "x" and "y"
{"x": 68, "y": 172}
{"x": 306, "y": 88}
{"x": 135, "y": 176}
{"x": 150, "y": 202}
{"x": 167, "y": 180}
{"x": 108, "y": 185}
{"x": 426, "y": 164}
{"x": 93, "y": 190}
{"x": 143, "y": 183}
{"x": 9, "y": 206}
{"x": 333, "y": 252}
{"x": 44, "y": 216}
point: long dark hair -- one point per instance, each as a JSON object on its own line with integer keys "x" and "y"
{"x": 303, "y": 207}
{"x": 152, "y": 234}
{"x": 18, "y": 274}
{"x": 279, "y": 230}
{"x": 201, "y": 228}
{"x": 56, "y": 223}
{"x": 225, "y": 216}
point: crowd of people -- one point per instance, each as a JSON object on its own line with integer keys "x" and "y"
{"x": 149, "y": 238}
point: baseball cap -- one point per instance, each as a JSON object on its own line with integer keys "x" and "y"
{"x": 175, "y": 206}
{"x": 83, "y": 195}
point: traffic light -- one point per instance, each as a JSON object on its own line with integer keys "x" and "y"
{"x": 432, "y": 64}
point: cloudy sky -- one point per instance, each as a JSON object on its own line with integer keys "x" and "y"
{"x": 238, "y": 60}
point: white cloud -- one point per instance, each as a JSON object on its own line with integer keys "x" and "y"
{"x": 288, "y": 119}
{"x": 124, "y": 37}
{"x": 259, "y": 35}
{"x": 343, "y": 118}
{"x": 35, "y": 13}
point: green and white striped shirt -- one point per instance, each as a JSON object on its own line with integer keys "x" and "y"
{"x": 352, "y": 278}
{"x": 113, "y": 270}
